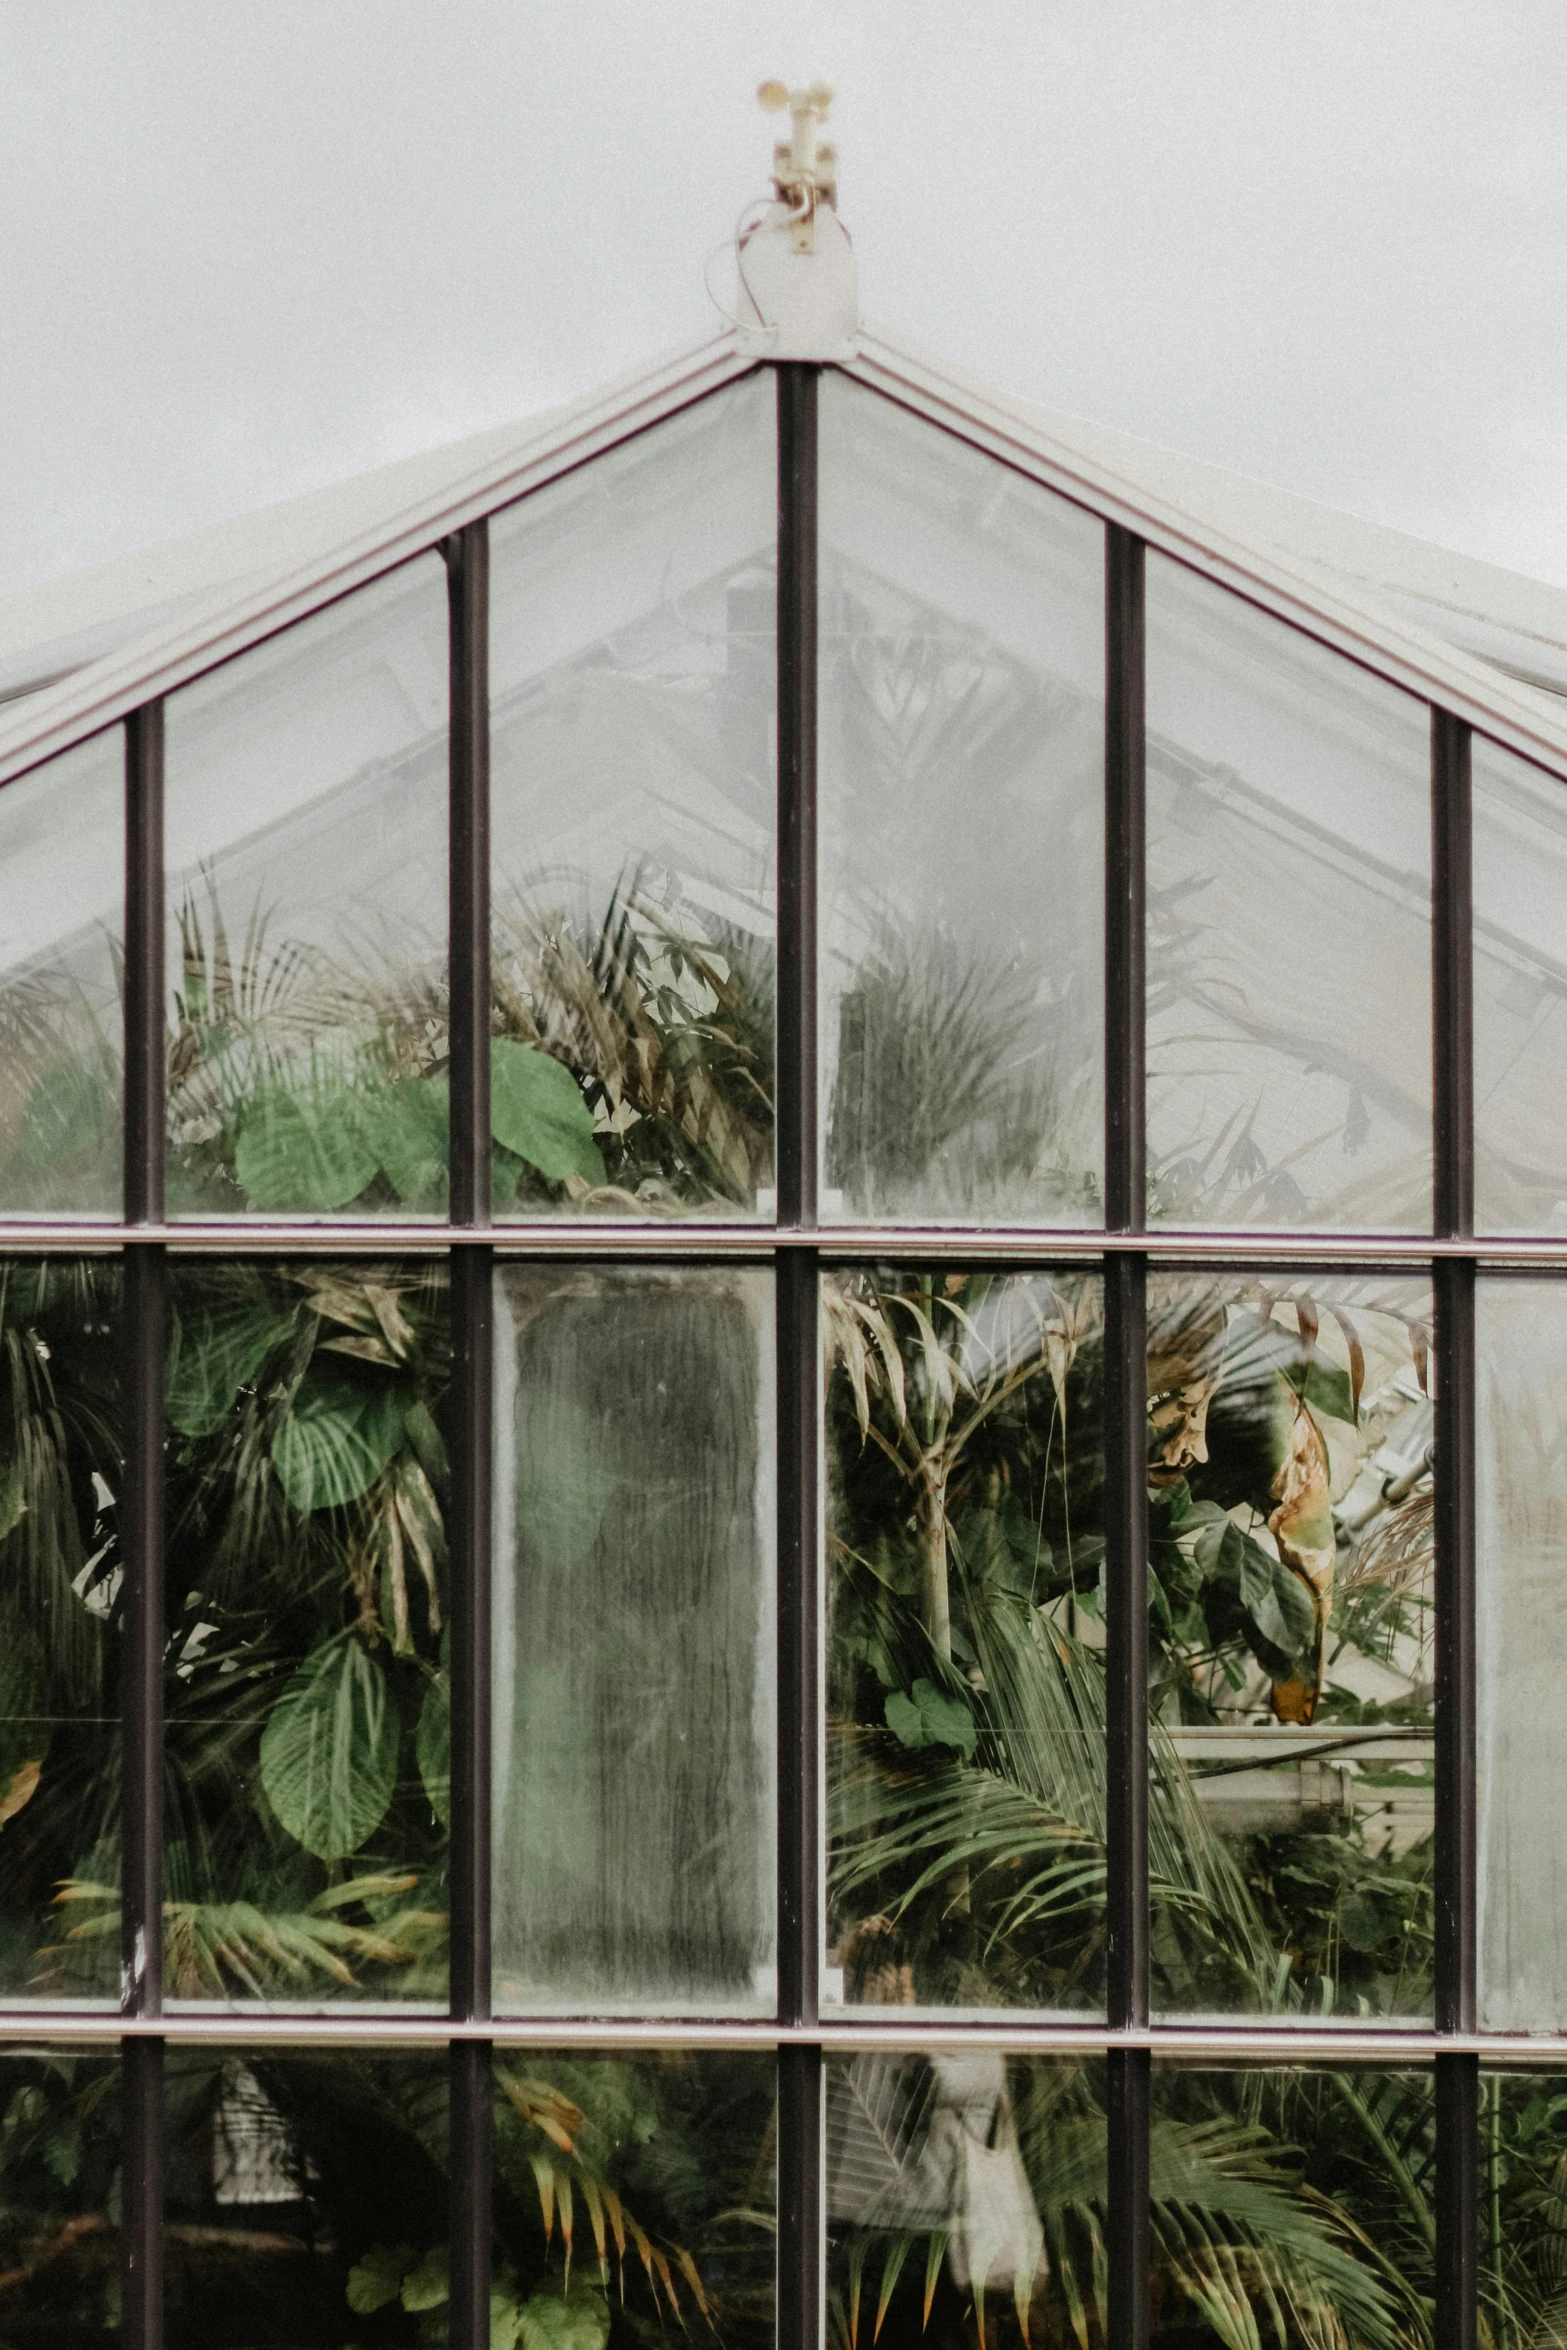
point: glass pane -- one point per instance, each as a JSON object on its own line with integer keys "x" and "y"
{"x": 306, "y": 847}
{"x": 1291, "y": 1641}
{"x": 61, "y": 1620}
{"x": 1521, "y": 1630}
{"x": 62, "y": 919}
{"x": 306, "y": 2199}
{"x": 632, "y": 745}
{"x": 965, "y": 2199}
{"x": 635, "y": 2199}
{"x": 1520, "y": 994}
{"x": 1289, "y": 925}
{"x": 965, "y": 1658}
{"x": 1523, "y": 2226}
{"x": 1291, "y": 2207}
{"x": 634, "y": 1641}
{"x": 962, "y": 823}
{"x": 306, "y": 1693}
{"x": 60, "y": 2189}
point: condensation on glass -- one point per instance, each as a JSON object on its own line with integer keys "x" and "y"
{"x": 962, "y": 762}
{"x": 1289, "y": 929}
{"x": 61, "y": 2183}
{"x": 965, "y": 1655}
{"x": 305, "y": 824}
{"x": 964, "y": 2185}
{"x": 1291, "y": 1646}
{"x": 634, "y": 1641}
{"x": 668, "y": 2162}
{"x": 1521, "y": 1654}
{"x": 1520, "y": 994}
{"x": 62, "y": 914}
{"x": 1291, "y": 2204}
{"x": 632, "y": 694}
{"x": 62, "y": 1618}
{"x": 306, "y": 1681}
{"x": 305, "y": 2199}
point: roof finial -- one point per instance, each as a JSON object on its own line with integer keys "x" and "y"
{"x": 805, "y": 168}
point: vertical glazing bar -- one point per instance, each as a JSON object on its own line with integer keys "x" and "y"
{"x": 800, "y": 2203}
{"x": 141, "y": 1541}
{"x": 1452, "y": 912}
{"x": 468, "y": 869}
{"x": 1126, "y": 1435}
{"x": 468, "y": 851}
{"x": 797, "y": 633}
{"x": 1457, "y": 2201}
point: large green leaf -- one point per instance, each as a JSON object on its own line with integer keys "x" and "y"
{"x": 433, "y": 1746}
{"x": 578, "y": 2320}
{"x": 537, "y": 1111}
{"x": 213, "y": 1355}
{"x": 926, "y": 1716}
{"x": 409, "y": 1125}
{"x": 309, "y": 1150}
{"x": 329, "y": 1750}
{"x": 336, "y": 1440}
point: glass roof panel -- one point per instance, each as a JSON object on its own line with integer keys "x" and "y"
{"x": 633, "y": 824}
{"x": 1289, "y": 925}
{"x": 962, "y": 759}
{"x": 1520, "y": 994}
{"x": 305, "y": 819}
{"x": 62, "y": 910}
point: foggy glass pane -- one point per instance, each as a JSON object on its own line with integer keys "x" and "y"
{"x": 305, "y": 2199}
{"x": 60, "y": 2191}
{"x": 1520, "y": 994}
{"x": 633, "y": 1641}
{"x": 1291, "y": 1638}
{"x": 1521, "y": 1626}
{"x": 965, "y": 2181}
{"x": 62, "y": 915}
{"x": 62, "y": 1618}
{"x": 306, "y": 1673}
{"x": 962, "y": 821}
{"x": 633, "y": 819}
{"x": 1289, "y": 925}
{"x": 965, "y": 1652}
{"x": 668, "y": 2160}
{"x": 305, "y": 825}
{"x": 1291, "y": 2205}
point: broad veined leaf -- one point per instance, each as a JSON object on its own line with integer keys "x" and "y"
{"x": 578, "y": 2320}
{"x": 562, "y": 1488}
{"x": 1284, "y": 1616}
{"x": 378, "y": 2278}
{"x": 428, "y": 2286}
{"x": 329, "y": 1750}
{"x": 928, "y": 1717}
{"x": 433, "y": 1746}
{"x": 537, "y": 1111}
{"x": 409, "y": 1125}
{"x": 212, "y": 1356}
{"x": 308, "y": 1150}
{"x": 337, "y": 1439}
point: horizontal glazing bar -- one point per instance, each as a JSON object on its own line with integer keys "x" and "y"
{"x": 1258, "y": 2044}
{"x": 1323, "y": 1251}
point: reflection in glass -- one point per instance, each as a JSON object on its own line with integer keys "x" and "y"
{"x": 635, "y": 2199}
{"x": 1520, "y": 994}
{"x": 61, "y": 1621}
{"x": 634, "y": 1641}
{"x": 966, "y": 1640}
{"x": 965, "y": 2199}
{"x": 1291, "y": 1646}
{"x": 962, "y": 761}
{"x": 306, "y": 851}
{"x": 1522, "y": 2250}
{"x": 1521, "y": 1628}
{"x": 1289, "y": 925}
{"x": 306, "y": 2200}
{"x": 632, "y": 695}
{"x": 62, "y": 911}
{"x": 1291, "y": 2207}
{"x": 306, "y": 1686}
{"x": 59, "y": 2197}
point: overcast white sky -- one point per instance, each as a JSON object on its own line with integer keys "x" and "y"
{"x": 251, "y": 246}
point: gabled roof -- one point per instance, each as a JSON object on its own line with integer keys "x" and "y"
{"x": 1488, "y": 644}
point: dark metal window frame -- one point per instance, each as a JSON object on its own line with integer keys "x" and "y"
{"x": 798, "y": 1249}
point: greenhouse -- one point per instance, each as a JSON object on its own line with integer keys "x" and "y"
{"x": 783, "y": 1544}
